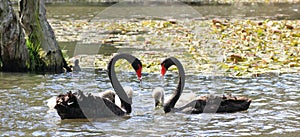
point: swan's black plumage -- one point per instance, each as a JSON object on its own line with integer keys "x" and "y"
{"x": 89, "y": 106}
{"x": 203, "y": 104}
{"x": 80, "y": 105}
{"x": 67, "y": 106}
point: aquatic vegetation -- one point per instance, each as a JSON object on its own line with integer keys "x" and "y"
{"x": 255, "y": 47}
{"x": 238, "y": 48}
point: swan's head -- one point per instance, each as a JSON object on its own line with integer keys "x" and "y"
{"x": 129, "y": 91}
{"x": 158, "y": 95}
{"x": 168, "y": 62}
{"x": 137, "y": 66}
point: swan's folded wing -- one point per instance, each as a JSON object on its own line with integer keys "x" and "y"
{"x": 233, "y": 104}
{"x": 216, "y": 104}
{"x": 72, "y": 106}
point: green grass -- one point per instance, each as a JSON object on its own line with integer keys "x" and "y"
{"x": 36, "y": 55}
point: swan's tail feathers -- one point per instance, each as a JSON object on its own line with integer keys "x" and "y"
{"x": 67, "y": 106}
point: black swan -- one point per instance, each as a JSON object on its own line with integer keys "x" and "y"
{"x": 203, "y": 104}
{"x": 73, "y": 106}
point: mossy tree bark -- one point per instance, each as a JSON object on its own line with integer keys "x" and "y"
{"x": 45, "y": 54}
{"x": 13, "y": 51}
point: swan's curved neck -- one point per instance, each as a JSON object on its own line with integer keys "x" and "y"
{"x": 125, "y": 101}
{"x": 174, "y": 98}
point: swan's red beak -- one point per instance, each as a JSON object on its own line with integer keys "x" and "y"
{"x": 163, "y": 70}
{"x": 139, "y": 72}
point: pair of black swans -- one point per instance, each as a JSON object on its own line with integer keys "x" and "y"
{"x": 118, "y": 103}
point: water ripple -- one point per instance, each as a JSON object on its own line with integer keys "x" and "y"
{"x": 275, "y": 110}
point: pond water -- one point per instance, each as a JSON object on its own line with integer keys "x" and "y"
{"x": 274, "y": 111}
{"x": 206, "y": 11}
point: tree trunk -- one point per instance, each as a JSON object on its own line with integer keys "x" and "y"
{"x": 13, "y": 51}
{"x": 44, "y": 51}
